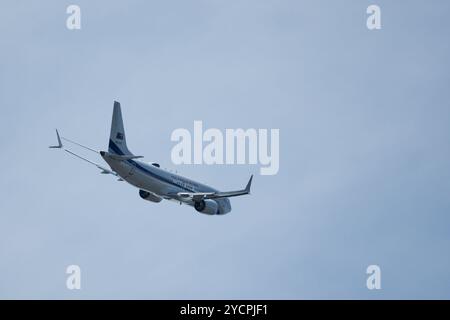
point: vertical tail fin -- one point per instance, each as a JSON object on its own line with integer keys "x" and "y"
{"x": 117, "y": 140}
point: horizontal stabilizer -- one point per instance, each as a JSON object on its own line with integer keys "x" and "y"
{"x": 104, "y": 170}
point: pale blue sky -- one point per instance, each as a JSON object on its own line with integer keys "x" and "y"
{"x": 364, "y": 161}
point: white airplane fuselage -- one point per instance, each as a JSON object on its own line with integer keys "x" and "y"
{"x": 161, "y": 183}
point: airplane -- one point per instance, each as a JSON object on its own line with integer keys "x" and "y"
{"x": 154, "y": 183}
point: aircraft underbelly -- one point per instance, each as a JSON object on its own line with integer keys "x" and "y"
{"x": 144, "y": 181}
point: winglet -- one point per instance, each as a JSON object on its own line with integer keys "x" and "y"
{"x": 247, "y": 188}
{"x": 59, "y": 146}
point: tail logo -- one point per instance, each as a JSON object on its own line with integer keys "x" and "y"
{"x": 119, "y": 136}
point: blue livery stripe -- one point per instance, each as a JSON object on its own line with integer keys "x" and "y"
{"x": 117, "y": 150}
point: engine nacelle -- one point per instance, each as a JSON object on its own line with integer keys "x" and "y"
{"x": 149, "y": 196}
{"x": 207, "y": 206}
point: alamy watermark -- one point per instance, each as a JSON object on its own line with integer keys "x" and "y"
{"x": 73, "y": 281}
{"x": 236, "y": 146}
{"x": 374, "y": 20}
{"x": 73, "y": 21}
{"x": 374, "y": 280}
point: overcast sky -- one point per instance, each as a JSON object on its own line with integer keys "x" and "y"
{"x": 364, "y": 148}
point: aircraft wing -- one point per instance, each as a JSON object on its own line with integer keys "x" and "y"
{"x": 198, "y": 196}
{"x": 104, "y": 170}
{"x": 60, "y": 146}
{"x": 114, "y": 156}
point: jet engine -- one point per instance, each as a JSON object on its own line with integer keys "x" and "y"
{"x": 207, "y": 206}
{"x": 149, "y": 196}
